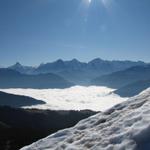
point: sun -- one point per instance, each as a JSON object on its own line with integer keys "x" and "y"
{"x": 89, "y": 1}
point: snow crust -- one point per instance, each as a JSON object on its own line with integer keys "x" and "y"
{"x": 125, "y": 126}
{"x": 75, "y": 98}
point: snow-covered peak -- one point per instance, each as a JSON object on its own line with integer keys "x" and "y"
{"x": 17, "y": 65}
{"x": 126, "y": 126}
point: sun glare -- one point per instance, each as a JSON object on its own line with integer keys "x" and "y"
{"x": 89, "y": 1}
{"x": 104, "y": 2}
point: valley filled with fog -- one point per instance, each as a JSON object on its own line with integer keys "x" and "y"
{"x": 94, "y": 98}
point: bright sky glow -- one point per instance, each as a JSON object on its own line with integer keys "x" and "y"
{"x": 89, "y": 1}
{"x": 104, "y": 2}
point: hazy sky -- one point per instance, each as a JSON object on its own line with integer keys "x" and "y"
{"x": 35, "y": 31}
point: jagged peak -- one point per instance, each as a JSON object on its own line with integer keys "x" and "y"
{"x": 16, "y": 65}
{"x": 59, "y": 61}
{"x": 96, "y": 60}
{"x": 74, "y": 60}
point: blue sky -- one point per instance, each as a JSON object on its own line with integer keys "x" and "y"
{"x": 35, "y": 31}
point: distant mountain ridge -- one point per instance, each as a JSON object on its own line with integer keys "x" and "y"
{"x": 12, "y": 79}
{"x": 133, "y": 88}
{"x": 123, "y": 78}
{"x": 76, "y": 71}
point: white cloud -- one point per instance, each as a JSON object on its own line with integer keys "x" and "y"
{"x": 74, "y": 98}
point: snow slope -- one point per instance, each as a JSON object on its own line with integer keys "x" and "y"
{"x": 125, "y": 126}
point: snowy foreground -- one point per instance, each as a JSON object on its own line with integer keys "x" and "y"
{"x": 126, "y": 126}
{"x": 75, "y": 98}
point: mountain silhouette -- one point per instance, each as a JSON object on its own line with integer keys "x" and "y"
{"x": 122, "y": 78}
{"x": 76, "y": 71}
{"x": 13, "y": 79}
{"x": 133, "y": 88}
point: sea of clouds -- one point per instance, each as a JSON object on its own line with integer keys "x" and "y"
{"x": 75, "y": 98}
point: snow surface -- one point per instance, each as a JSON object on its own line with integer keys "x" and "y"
{"x": 125, "y": 126}
{"x": 74, "y": 98}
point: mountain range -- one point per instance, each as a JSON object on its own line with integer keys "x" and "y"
{"x": 121, "y": 75}
{"x": 123, "y": 78}
{"x": 12, "y": 79}
{"x": 133, "y": 88}
{"x": 76, "y": 71}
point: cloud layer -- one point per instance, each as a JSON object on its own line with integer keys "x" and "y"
{"x": 74, "y": 98}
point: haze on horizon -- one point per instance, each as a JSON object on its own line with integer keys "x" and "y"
{"x": 35, "y": 31}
